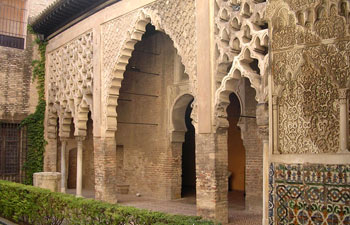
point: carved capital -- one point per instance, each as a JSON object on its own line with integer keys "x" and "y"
{"x": 343, "y": 93}
{"x": 79, "y": 138}
{"x": 64, "y": 139}
{"x": 263, "y": 132}
{"x": 274, "y": 100}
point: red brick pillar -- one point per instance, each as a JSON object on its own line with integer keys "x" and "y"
{"x": 175, "y": 180}
{"x": 105, "y": 163}
{"x": 211, "y": 170}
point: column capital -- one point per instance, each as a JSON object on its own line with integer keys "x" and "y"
{"x": 264, "y": 132}
{"x": 64, "y": 139}
{"x": 343, "y": 93}
{"x": 79, "y": 138}
{"x": 274, "y": 100}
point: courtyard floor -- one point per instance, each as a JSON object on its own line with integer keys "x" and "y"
{"x": 187, "y": 206}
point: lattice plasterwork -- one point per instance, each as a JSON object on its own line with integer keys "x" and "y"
{"x": 241, "y": 40}
{"x": 70, "y": 85}
{"x": 176, "y": 18}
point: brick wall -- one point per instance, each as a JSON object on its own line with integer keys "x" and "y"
{"x": 254, "y": 153}
{"x": 18, "y": 93}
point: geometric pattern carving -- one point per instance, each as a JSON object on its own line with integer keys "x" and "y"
{"x": 311, "y": 61}
{"x": 241, "y": 43}
{"x": 70, "y": 85}
{"x": 308, "y": 112}
{"x": 176, "y": 18}
{"x": 309, "y": 194}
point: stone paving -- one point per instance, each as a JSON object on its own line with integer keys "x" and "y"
{"x": 187, "y": 206}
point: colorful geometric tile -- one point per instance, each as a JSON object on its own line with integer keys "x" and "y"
{"x": 312, "y": 194}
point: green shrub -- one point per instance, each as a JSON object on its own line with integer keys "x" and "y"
{"x": 31, "y": 205}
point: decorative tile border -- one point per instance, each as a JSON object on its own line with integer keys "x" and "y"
{"x": 309, "y": 194}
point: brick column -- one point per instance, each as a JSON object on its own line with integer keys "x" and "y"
{"x": 50, "y": 155}
{"x": 105, "y": 163}
{"x": 175, "y": 180}
{"x": 211, "y": 173}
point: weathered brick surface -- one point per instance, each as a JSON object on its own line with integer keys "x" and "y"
{"x": 211, "y": 170}
{"x": 15, "y": 76}
{"x": 18, "y": 96}
{"x": 254, "y": 154}
{"x": 105, "y": 169}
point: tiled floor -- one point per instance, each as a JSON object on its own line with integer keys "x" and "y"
{"x": 187, "y": 206}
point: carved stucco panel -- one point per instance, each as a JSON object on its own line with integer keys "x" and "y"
{"x": 310, "y": 62}
{"x": 70, "y": 85}
{"x": 308, "y": 107}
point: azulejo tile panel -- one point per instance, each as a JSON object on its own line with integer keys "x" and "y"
{"x": 309, "y": 194}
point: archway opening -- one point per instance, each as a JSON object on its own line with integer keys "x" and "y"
{"x": 236, "y": 153}
{"x": 145, "y": 163}
{"x": 88, "y": 171}
{"x": 188, "y": 188}
{"x": 72, "y": 159}
{"x": 88, "y": 159}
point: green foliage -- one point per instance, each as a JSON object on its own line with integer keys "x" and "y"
{"x": 32, "y": 205}
{"x": 35, "y": 122}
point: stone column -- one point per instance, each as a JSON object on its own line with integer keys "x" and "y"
{"x": 344, "y": 120}
{"x": 63, "y": 165}
{"x": 105, "y": 163}
{"x": 262, "y": 119}
{"x": 79, "y": 166}
{"x": 211, "y": 173}
{"x": 275, "y": 123}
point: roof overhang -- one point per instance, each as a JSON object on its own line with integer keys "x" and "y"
{"x": 63, "y": 14}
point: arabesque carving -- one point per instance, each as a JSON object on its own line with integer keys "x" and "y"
{"x": 241, "y": 40}
{"x": 70, "y": 85}
{"x": 176, "y": 18}
{"x": 307, "y": 110}
{"x": 310, "y": 54}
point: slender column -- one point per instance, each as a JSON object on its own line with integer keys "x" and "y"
{"x": 263, "y": 126}
{"x": 63, "y": 165}
{"x": 275, "y": 123}
{"x": 79, "y": 166}
{"x": 265, "y": 182}
{"x": 344, "y": 121}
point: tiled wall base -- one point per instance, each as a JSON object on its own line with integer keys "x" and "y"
{"x": 309, "y": 194}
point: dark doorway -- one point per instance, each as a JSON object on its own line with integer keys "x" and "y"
{"x": 236, "y": 151}
{"x": 72, "y": 169}
{"x": 188, "y": 157}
